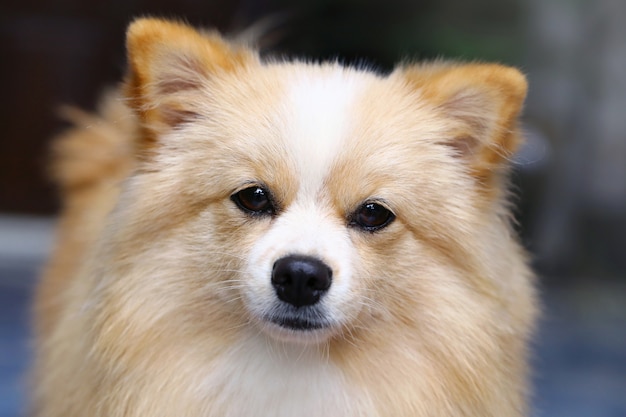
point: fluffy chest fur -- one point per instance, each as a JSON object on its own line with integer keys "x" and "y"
{"x": 282, "y": 380}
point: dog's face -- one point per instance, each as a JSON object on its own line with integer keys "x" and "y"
{"x": 309, "y": 201}
{"x": 332, "y": 196}
{"x": 303, "y": 278}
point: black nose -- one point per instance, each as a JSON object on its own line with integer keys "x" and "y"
{"x": 301, "y": 280}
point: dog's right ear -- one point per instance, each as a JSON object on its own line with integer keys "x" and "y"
{"x": 169, "y": 65}
{"x": 483, "y": 102}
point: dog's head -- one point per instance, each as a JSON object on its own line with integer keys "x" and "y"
{"x": 310, "y": 200}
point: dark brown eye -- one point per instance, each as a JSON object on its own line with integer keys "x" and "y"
{"x": 253, "y": 200}
{"x": 372, "y": 216}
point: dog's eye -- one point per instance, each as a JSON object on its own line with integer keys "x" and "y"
{"x": 372, "y": 216}
{"x": 254, "y": 200}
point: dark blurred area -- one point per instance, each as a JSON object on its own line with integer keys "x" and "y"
{"x": 570, "y": 176}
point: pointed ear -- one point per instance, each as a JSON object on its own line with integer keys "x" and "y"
{"x": 483, "y": 102}
{"x": 169, "y": 64}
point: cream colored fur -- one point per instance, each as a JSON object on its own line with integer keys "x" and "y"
{"x": 153, "y": 303}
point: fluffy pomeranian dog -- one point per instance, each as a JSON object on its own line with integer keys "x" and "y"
{"x": 251, "y": 237}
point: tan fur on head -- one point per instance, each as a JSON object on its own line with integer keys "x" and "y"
{"x": 160, "y": 298}
{"x": 486, "y": 100}
{"x": 168, "y": 60}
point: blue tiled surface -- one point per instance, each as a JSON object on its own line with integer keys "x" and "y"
{"x": 15, "y": 290}
{"x": 581, "y": 354}
{"x": 580, "y": 351}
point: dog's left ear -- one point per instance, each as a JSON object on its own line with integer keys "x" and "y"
{"x": 169, "y": 64}
{"x": 483, "y": 101}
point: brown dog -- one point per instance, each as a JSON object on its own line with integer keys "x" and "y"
{"x": 265, "y": 238}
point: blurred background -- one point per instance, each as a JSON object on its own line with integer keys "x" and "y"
{"x": 570, "y": 176}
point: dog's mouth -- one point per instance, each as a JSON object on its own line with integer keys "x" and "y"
{"x": 298, "y": 323}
